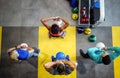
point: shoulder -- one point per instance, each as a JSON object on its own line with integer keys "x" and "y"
{"x": 53, "y": 71}
{"x": 67, "y": 70}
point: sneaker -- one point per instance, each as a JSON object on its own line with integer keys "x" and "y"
{"x": 49, "y": 35}
{"x": 67, "y": 58}
{"x": 38, "y": 51}
{"x": 53, "y": 58}
{"x": 63, "y": 34}
{"x": 82, "y": 53}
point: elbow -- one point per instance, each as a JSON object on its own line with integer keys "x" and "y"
{"x": 42, "y": 20}
{"x": 72, "y": 68}
{"x": 68, "y": 23}
{"x": 45, "y": 66}
{"x": 9, "y": 50}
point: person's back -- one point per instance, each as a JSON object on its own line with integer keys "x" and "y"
{"x": 23, "y": 54}
{"x": 60, "y": 65}
{"x": 56, "y": 29}
{"x": 95, "y": 54}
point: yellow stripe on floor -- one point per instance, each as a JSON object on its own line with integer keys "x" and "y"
{"x": 51, "y": 46}
{"x": 0, "y": 40}
{"x": 116, "y": 42}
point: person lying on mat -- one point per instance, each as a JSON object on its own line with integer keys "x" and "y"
{"x": 22, "y": 52}
{"x": 56, "y": 29}
{"x": 60, "y": 65}
{"x": 101, "y": 53}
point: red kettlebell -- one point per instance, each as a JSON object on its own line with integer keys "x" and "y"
{"x": 82, "y": 10}
{"x": 86, "y": 20}
{"x": 84, "y": 16}
{"x": 82, "y": 20}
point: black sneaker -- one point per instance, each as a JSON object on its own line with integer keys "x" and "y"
{"x": 83, "y": 54}
{"x": 38, "y": 51}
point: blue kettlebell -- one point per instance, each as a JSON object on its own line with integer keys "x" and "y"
{"x": 97, "y": 4}
{"x": 60, "y": 56}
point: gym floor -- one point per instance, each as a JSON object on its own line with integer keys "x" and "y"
{"x": 20, "y": 21}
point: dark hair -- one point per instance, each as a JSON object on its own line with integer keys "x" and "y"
{"x": 60, "y": 68}
{"x": 54, "y": 29}
{"x": 106, "y": 60}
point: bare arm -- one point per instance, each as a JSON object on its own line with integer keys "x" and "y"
{"x": 71, "y": 64}
{"x": 14, "y": 54}
{"x": 11, "y": 49}
{"x": 30, "y": 49}
{"x": 66, "y": 23}
{"x": 48, "y": 66}
{"x": 44, "y": 21}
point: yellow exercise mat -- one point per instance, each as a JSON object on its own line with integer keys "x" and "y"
{"x": 51, "y": 46}
{"x": 116, "y": 42}
{"x": 0, "y": 40}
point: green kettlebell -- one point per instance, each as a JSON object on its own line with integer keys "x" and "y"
{"x": 75, "y": 10}
{"x": 92, "y": 38}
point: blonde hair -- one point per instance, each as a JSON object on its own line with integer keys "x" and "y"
{"x": 14, "y": 55}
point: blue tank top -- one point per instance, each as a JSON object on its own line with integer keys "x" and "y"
{"x": 23, "y": 54}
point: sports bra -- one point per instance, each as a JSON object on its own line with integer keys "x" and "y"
{"x": 55, "y": 35}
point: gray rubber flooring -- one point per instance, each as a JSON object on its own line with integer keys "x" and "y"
{"x": 20, "y": 19}
{"x": 28, "y": 69}
{"x": 29, "y": 12}
{"x": 13, "y": 36}
{"x": 86, "y": 67}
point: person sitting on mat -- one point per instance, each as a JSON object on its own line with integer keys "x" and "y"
{"x": 22, "y": 52}
{"x": 101, "y": 53}
{"x": 60, "y": 65}
{"x": 56, "y": 29}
